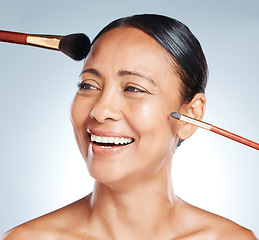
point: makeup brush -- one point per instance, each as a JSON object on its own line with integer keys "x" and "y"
{"x": 76, "y": 46}
{"x": 214, "y": 129}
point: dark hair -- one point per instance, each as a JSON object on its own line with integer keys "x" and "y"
{"x": 185, "y": 50}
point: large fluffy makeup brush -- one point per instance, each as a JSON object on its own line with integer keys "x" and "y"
{"x": 76, "y": 46}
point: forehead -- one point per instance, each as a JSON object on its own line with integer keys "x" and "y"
{"x": 130, "y": 46}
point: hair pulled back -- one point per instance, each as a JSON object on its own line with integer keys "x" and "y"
{"x": 185, "y": 50}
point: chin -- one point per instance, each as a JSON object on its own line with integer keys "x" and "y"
{"x": 108, "y": 173}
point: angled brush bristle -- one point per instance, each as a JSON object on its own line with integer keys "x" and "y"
{"x": 175, "y": 115}
{"x": 76, "y": 46}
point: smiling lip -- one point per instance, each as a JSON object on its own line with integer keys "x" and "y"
{"x": 106, "y": 134}
{"x": 103, "y": 143}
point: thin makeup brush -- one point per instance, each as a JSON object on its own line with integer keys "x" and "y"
{"x": 214, "y": 129}
{"x": 76, "y": 46}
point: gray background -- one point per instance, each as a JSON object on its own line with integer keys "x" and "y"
{"x": 41, "y": 168}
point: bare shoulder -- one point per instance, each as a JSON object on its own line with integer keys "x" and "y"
{"x": 25, "y": 233}
{"x": 60, "y": 224}
{"x": 227, "y": 229}
{"x": 211, "y": 226}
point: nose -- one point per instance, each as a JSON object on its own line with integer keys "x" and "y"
{"x": 107, "y": 108}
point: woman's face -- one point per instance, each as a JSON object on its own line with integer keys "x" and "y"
{"x": 120, "y": 113}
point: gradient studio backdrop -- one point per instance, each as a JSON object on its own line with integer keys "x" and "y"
{"x": 41, "y": 168}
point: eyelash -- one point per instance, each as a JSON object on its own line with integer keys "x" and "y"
{"x": 134, "y": 89}
{"x": 86, "y": 86}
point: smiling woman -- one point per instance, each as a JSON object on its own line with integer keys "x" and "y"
{"x": 139, "y": 70}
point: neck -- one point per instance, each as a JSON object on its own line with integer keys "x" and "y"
{"x": 144, "y": 207}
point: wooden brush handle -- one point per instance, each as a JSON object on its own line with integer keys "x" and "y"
{"x": 234, "y": 137}
{"x": 13, "y": 37}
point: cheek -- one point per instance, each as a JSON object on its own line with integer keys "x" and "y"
{"x": 81, "y": 108}
{"x": 155, "y": 129}
{"x": 154, "y": 139}
{"x": 78, "y": 113}
{"x": 147, "y": 116}
{"x": 143, "y": 113}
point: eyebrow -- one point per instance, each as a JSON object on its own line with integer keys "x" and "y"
{"x": 93, "y": 71}
{"x": 121, "y": 73}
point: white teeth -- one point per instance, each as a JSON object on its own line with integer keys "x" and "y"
{"x": 115, "y": 140}
{"x": 110, "y": 140}
{"x": 98, "y": 139}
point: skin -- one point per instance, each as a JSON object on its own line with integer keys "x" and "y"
{"x": 131, "y": 92}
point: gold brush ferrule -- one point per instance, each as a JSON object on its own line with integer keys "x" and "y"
{"x": 195, "y": 122}
{"x": 44, "y": 41}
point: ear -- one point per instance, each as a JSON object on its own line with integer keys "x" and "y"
{"x": 194, "y": 109}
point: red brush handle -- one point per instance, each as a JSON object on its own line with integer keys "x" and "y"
{"x": 234, "y": 137}
{"x": 13, "y": 37}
